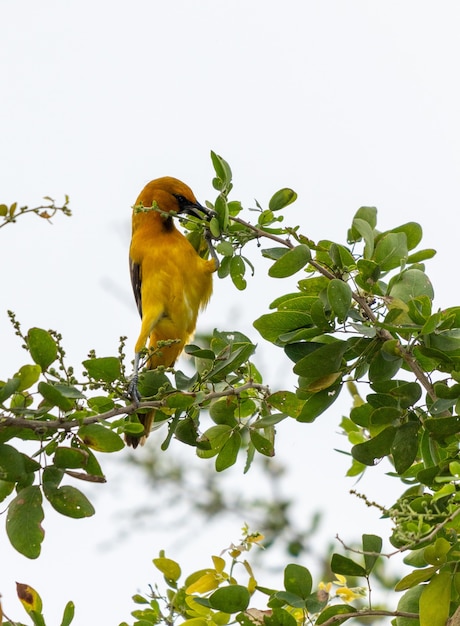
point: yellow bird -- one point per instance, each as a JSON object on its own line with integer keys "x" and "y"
{"x": 171, "y": 282}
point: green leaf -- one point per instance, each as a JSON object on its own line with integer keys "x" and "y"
{"x": 237, "y": 272}
{"x": 187, "y": 431}
{"x": 375, "y": 448}
{"x": 316, "y": 403}
{"x": 421, "y": 255}
{"x": 105, "y": 369}
{"x": 324, "y": 361}
{"x": 236, "y": 358}
{"x": 291, "y": 262}
{"x": 281, "y": 199}
{"x": 405, "y": 445}
{"x": 261, "y": 444}
{"x": 5, "y": 489}
{"x": 100, "y": 438}
{"x": 410, "y": 284}
{"x": 28, "y": 376}
{"x": 69, "y": 613}
{"x": 390, "y": 251}
{"x": 229, "y": 452}
{"x": 413, "y": 233}
{"x": 436, "y": 553}
{"x": 54, "y": 397}
{"x": 169, "y": 568}
{"x": 292, "y": 599}
{"x": 345, "y": 566}
{"x": 371, "y": 543}
{"x": 365, "y": 231}
{"x": 332, "y": 611}
{"x": 42, "y": 347}
{"x": 339, "y": 295}
{"x": 69, "y": 501}
{"x": 70, "y": 458}
{"x": 298, "y": 580}
{"x": 286, "y": 402}
{"x": 12, "y": 466}
{"x": 272, "y": 325}
{"x": 409, "y": 603}
{"x": 23, "y": 522}
{"x": 222, "y": 411}
{"x": 223, "y": 171}
{"x": 313, "y": 286}
{"x": 435, "y": 600}
{"x": 279, "y": 617}
{"x": 231, "y": 599}
{"x": 7, "y": 389}
{"x": 341, "y": 256}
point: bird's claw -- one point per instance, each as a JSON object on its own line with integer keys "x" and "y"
{"x": 133, "y": 391}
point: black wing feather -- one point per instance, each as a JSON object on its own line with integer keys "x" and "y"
{"x": 136, "y": 282}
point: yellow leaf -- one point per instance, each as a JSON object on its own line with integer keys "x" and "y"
{"x": 219, "y": 563}
{"x": 29, "y": 598}
{"x": 435, "y": 600}
{"x": 205, "y": 583}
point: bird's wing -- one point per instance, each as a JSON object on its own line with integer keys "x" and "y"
{"x": 136, "y": 282}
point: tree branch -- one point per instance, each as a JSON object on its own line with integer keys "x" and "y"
{"x": 384, "y": 334}
{"x": 62, "y": 424}
{"x": 337, "y": 619}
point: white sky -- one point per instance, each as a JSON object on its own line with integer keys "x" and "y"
{"x": 349, "y": 103}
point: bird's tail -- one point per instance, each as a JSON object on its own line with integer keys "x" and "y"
{"x": 146, "y": 420}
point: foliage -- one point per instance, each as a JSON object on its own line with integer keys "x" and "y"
{"x": 360, "y": 318}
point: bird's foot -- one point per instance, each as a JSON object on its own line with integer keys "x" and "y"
{"x": 133, "y": 391}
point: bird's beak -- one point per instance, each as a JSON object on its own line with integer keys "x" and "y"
{"x": 199, "y": 211}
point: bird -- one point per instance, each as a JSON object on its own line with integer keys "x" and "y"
{"x": 171, "y": 281}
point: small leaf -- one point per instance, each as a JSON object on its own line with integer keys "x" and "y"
{"x": 371, "y": 543}
{"x": 345, "y": 566}
{"x": 272, "y": 325}
{"x": 339, "y": 295}
{"x": 415, "y": 578}
{"x": 231, "y": 599}
{"x": 298, "y": 580}
{"x": 375, "y": 448}
{"x": 12, "y": 466}
{"x": 70, "y": 458}
{"x": 169, "y": 568}
{"x": 100, "y": 438}
{"x": 291, "y": 262}
{"x": 54, "y": 397}
{"x": 69, "y": 501}
{"x": 281, "y": 199}
{"x": 229, "y": 452}
{"x": 42, "y": 347}
{"x": 28, "y": 376}
{"x": 409, "y": 603}
{"x": 333, "y": 611}
{"x": 69, "y": 613}
{"x": 106, "y": 369}
{"x": 7, "y": 389}
{"x": 390, "y": 251}
{"x": 23, "y": 522}
{"x": 30, "y": 599}
{"x": 405, "y": 445}
{"x": 286, "y": 402}
{"x": 261, "y": 444}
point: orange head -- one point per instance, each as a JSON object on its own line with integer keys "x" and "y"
{"x": 172, "y": 196}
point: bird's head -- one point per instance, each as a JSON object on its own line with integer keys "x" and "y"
{"x": 172, "y": 196}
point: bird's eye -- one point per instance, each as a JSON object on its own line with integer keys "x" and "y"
{"x": 181, "y": 199}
